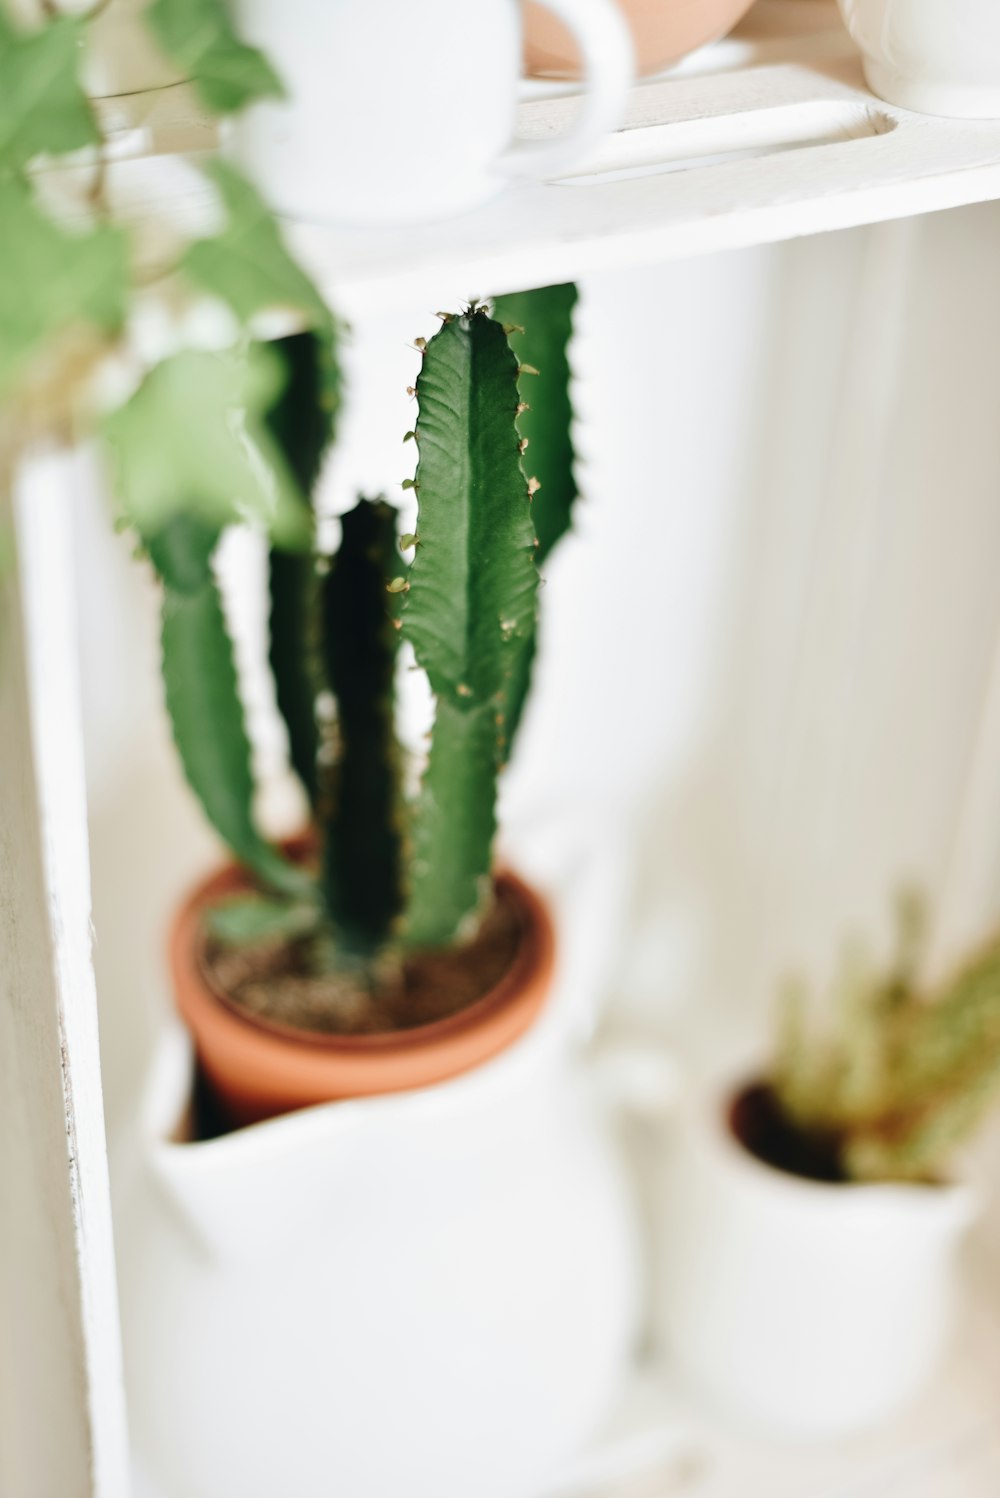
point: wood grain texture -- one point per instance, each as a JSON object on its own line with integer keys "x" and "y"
{"x": 765, "y": 137}
{"x": 62, "y": 1422}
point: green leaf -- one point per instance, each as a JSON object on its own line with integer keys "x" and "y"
{"x": 361, "y": 809}
{"x": 198, "y": 36}
{"x": 251, "y": 918}
{"x": 43, "y": 109}
{"x": 51, "y": 281}
{"x": 542, "y": 327}
{"x": 192, "y": 438}
{"x": 470, "y": 609}
{"x": 203, "y": 700}
{"x": 247, "y": 265}
{"x": 302, "y": 423}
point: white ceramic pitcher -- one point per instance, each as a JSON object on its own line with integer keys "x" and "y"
{"x": 431, "y": 1294}
{"x": 402, "y": 110}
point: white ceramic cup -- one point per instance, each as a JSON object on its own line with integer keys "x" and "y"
{"x": 404, "y": 110}
{"x": 934, "y": 56}
{"x": 797, "y": 1307}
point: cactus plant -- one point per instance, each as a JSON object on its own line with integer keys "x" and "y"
{"x": 896, "y": 1078}
{"x": 392, "y": 872}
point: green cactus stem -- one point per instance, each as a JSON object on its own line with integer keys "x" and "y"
{"x": 540, "y": 325}
{"x": 359, "y": 810}
{"x": 541, "y": 328}
{"x": 469, "y": 611}
{"x": 302, "y": 422}
{"x": 203, "y": 700}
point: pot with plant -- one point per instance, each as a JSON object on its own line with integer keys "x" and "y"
{"x": 817, "y": 1209}
{"x": 383, "y": 1245}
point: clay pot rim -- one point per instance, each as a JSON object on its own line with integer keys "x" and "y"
{"x": 509, "y": 1007}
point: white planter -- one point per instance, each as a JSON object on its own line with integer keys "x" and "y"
{"x": 432, "y": 1294}
{"x": 795, "y": 1306}
{"x": 398, "y": 111}
{"x": 935, "y": 56}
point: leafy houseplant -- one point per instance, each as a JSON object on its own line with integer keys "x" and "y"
{"x": 330, "y": 937}
{"x": 824, "y": 1199}
{"x": 130, "y": 328}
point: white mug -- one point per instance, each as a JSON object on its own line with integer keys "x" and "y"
{"x": 935, "y": 56}
{"x": 404, "y": 110}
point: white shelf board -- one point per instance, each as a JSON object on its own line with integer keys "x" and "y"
{"x": 767, "y": 135}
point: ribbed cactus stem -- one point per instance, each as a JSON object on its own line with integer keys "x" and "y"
{"x": 359, "y": 808}
{"x": 469, "y": 612}
{"x": 302, "y": 421}
{"x": 540, "y": 328}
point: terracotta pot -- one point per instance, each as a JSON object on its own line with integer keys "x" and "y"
{"x": 663, "y": 31}
{"x": 259, "y": 1070}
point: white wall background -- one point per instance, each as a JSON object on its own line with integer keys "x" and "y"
{"x": 770, "y": 670}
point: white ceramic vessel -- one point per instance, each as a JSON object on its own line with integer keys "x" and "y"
{"x": 398, "y": 111}
{"x": 795, "y": 1306}
{"x": 935, "y": 56}
{"x": 431, "y": 1294}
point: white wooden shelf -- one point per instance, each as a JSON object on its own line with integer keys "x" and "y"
{"x": 766, "y": 136}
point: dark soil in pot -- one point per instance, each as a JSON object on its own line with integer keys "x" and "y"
{"x": 275, "y": 982}
{"x": 761, "y": 1126}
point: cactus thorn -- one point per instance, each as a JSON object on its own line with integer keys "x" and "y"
{"x": 398, "y": 585}
{"x": 397, "y": 623}
{"x": 521, "y": 406}
{"x": 527, "y": 369}
{"x": 445, "y": 316}
{"x": 533, "y": 486}
{"x": 522, "y": 446}
{"x": 410, "y": 436}
{"x": 408, "y": 540}
{"x": 463, "y": 689}
{"x": 512, "y": 327}
{"x": 420, "y": 343}
{"x": 409, "y": 483}
{"x": 411, "y": 390}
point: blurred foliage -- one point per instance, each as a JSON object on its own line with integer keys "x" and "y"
{"x": 890, "y": 1078}
{"x": 185, "y": 428}
{"x": 198, "y": 36}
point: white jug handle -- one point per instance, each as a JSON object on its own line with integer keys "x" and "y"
{"x": 637, "y": 1078}
{"x": 609, "y": 69}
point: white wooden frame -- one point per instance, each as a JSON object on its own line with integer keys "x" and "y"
{"x": 62, "y": 1408}
{"x": 792, "y": 145}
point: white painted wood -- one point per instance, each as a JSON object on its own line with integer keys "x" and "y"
{"x": 62, "y": 1421}
{"x": 768, "y": 136}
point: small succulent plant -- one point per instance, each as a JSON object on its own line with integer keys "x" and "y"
{"x": 393, "y": 871}
{"x": 893, "y": 1079}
